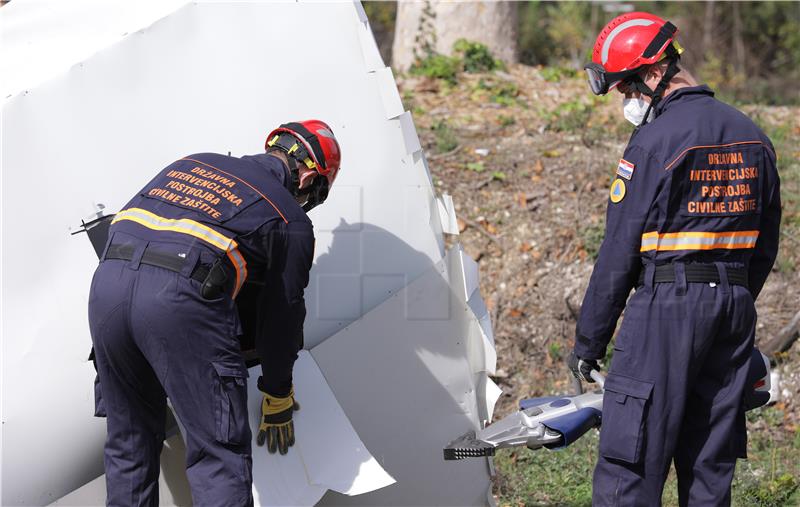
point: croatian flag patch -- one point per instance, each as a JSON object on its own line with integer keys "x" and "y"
{"x": 625, "y": 169}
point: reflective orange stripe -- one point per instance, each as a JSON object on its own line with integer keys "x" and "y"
{"x": 241, "y": 269}
{"x": 192, "y": 228}
{"x": 672, "y": 241}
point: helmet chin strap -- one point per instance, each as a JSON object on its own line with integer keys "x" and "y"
{"x": 657, "y": 94}
{"x": 311, "y": 196}
{"x": 314, "y": 194}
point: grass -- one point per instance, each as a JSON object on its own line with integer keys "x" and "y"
{"x": 446, "y": 138}
{"x": 506, "y": 121}
{"x": 769, "y": 478}
{"x": 592, "y": 237}
{"x": 555, "y": 350}
{"x": 547, "y": 477}
{"x": 556, "y": 74}
{"x": 498, "y": 91}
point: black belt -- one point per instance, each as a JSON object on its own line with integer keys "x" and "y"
{"x": 172, "y": 262}
{"x": 697, "y": 273}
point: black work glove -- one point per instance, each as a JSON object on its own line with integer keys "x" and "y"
{"x": 582, "y": 368}
{"x": 276, "y": 427}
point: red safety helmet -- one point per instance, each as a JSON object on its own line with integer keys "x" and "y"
{"x": 627, "y": 43}
{"x": 310, "y": 142}
{"x": 320, "y": 148}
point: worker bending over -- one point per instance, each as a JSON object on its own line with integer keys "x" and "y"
{"x": 164, "y": 321}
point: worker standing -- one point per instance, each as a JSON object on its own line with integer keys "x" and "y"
{"x": 164, "y": 321}
{"x": 692, "y": 223}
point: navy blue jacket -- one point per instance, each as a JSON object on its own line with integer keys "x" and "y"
{"x": 697, "y": 184}
{"x": 241, "y": 211}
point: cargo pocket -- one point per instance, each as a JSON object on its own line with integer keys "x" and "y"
{"x": 99, "y": 404}
{"x": 230, "y": 404}
{"x": 624, "y": 405}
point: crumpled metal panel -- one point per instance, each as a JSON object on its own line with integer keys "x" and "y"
{"x": 98, "y": 121}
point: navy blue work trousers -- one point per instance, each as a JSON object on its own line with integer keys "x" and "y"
{"x": 674, "y": 393}
{"x": 156, "y": 337}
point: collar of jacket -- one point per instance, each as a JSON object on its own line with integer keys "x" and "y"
{"x": 681, "y": 94}
{"x": 275, "y": 167}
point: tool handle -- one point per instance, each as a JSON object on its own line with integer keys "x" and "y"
{"x": 598, "y": 377}
{"x": 577, "y": 385}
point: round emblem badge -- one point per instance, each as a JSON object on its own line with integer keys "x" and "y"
{"x": 617, "y": 190}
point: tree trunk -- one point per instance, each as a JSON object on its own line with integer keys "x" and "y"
{"x": 440, "y": 23}
{"x": 709, "y": 26}
{"x": 738, "y": 42}
{"x": 784, "y": 339}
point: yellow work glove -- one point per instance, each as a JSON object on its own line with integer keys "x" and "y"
{"x": 276, "y": 427}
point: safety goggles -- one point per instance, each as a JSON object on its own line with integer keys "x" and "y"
{"x": 601, "y": 81}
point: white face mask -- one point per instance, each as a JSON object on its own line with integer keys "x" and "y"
{"x": 634, "y": 110}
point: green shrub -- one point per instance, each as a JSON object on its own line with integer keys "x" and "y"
{"x": 475, "y": 56}
{"x": 468, "y": 56}
{"x": 505, "y": 93}
{"x": 771, "y": 493}
{"x": 437, "y": 66}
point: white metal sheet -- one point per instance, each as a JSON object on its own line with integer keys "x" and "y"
{"x": 328, "y": 454}
{"x": 410, "y": 137}
{"x": 488, "y": 394}
{"x": 95, "y": 125}
{"x": 402, "y": 376}
{"x": 173, "y": 486}
{"x": 389, "y": 94}
{"x": 447, "y": 214}
{"x": 42, "y": 38}
{"x": 369, "y": 49}
{"x": 470, "y": 268}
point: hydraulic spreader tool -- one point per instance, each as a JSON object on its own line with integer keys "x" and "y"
{"x": 554, "y": 422}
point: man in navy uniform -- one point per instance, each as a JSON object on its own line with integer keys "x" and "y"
{"x": 164, "y": 320}
{"x": 692, "y": 224}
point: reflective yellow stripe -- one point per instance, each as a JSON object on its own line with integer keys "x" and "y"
{"x": 183, "y": 225}
{"x": 192, "y": 228}
{"x": 671, "y": 241}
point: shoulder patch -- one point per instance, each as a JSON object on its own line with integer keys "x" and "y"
{"x": 617, "y": 191}
{"x": 625, "y": 169}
